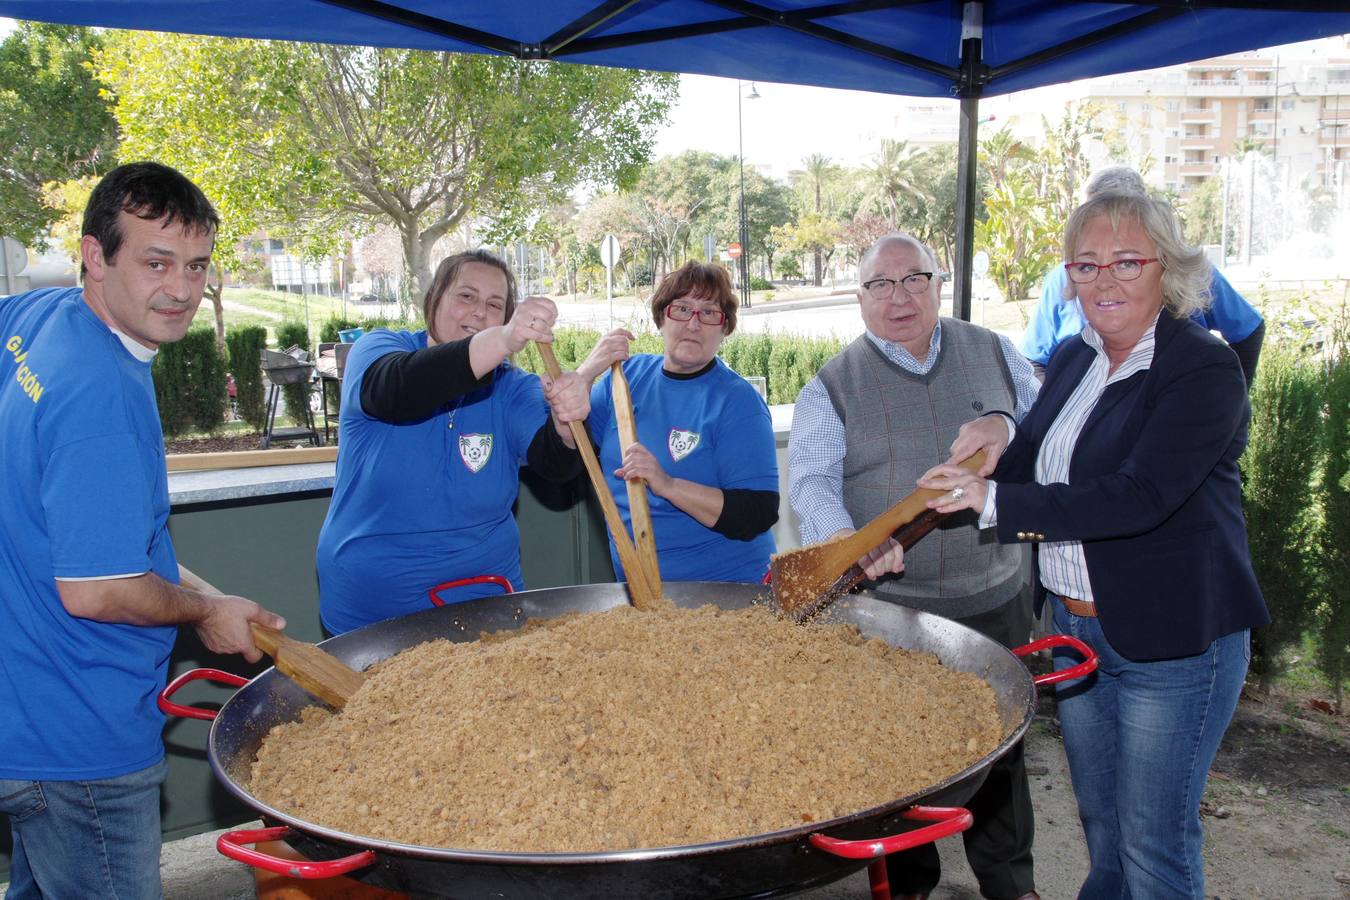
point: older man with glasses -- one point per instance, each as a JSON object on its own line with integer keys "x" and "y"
{"x": 876, "y": 417}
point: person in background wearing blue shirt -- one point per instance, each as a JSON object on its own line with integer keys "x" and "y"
{"x": 435, "y": 426}
{"x": 89, "y": 594}
{"x": 879, "y": 414}
{"x": 705, "y": 442}
{"x": 1059, "y": 316}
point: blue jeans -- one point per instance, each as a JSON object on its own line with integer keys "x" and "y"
{"x": 85, "y": 839}
{"x": 1140, "y": 738}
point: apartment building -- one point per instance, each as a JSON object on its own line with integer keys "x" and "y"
{"x": 1187, "y": 119}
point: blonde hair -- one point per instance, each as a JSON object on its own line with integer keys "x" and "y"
{"x": 1186, "y": 270}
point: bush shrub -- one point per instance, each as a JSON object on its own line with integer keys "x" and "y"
{"x": 296, "y": 396}
{"x": 758, "y": 283}
{"x": 328, "y": 331}
{"x": 1333, "y": 544}
{"x": 190, "y": 384}
{"x": 1277, "y": 467}
{"x": 245, "y": 346}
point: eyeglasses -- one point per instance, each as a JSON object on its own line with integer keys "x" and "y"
{"x": 681, "y": 313}
{"x": 1121, "y": 270}
{"x": 884, "y": 288}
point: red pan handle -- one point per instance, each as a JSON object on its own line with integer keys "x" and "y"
{"x": 194, "y": 712}
{"x": 500, "y": 580}
{"x": 1088, "y": 665}
{"x": 947, "y": 820}
{"x": 230, "y": 844}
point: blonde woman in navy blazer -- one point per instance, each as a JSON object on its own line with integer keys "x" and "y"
{"x": 1124, "y": 477}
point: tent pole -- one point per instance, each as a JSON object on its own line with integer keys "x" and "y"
{"x": 967, "y": 158}
{"x": 973, "y": 74}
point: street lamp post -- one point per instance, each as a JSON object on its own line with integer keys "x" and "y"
{"x": 744, "y": 225}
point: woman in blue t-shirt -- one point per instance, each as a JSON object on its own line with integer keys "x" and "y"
{"x": 705, "y": 441}
{"x": 434, "y": 428}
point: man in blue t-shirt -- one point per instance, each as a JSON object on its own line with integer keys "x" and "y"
{"x": 89, "y": 594}
{"x": 1058, "y": 316}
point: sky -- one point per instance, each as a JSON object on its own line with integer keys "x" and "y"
{"x": 786, "y": 122}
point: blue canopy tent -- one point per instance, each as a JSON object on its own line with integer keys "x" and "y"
{"x": 936, "y": 48}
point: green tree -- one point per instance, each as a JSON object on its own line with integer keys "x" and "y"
{"x": 812, "y": 233}
{"x": 1333, "y": 544}
{"x": 817, "y": 186}
{"x": 891, "y": 177}
{"x": 1203, "y": 212}
{"x": 1062, "y": 159}
{"x": 319, "y": 141}
{"x": 54, "y": 126}
{"x": 932, "y": 219}
{"x": 1277, "y": 473}
{"x": 768, "y": 203}
{"x": 1019, "y": 234}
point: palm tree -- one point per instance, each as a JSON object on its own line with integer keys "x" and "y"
{"x": 889, "y": 176}
{"x": 817, "y": 168}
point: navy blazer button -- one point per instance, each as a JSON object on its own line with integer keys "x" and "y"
{"x": 1021, "y": 535}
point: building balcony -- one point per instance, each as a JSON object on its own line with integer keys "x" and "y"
{"x": 1198, "y": 143}
{"x": 1197, "y": 168}
{"x": 1261, "y": 115}
{"x": 1199, "y": 116}
{"x": 1334, "y": 137}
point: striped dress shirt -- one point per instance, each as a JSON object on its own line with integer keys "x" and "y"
{"x": 1063, "y": 565}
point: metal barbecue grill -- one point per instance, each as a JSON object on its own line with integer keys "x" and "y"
{"x": 281, "y": 368}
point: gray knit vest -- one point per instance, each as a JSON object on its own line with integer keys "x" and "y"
{"x": 897, "y": 426}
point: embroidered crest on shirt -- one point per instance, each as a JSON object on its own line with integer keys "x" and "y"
{"x": 475, "y": 450}
{"x": 681, "y": 443}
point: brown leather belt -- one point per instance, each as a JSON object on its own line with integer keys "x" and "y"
{"x": 1079, "y": 607}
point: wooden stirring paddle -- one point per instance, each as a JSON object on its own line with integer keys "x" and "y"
{"x": 315, "y": 670}
{"x": 643, "y": 593}
{"x": 808, "y": 579}
{"x": 641, "y": 513}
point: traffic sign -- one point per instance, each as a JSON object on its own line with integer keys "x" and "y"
{"x": 734, "y": 250}
{"x": 609, "y": 251}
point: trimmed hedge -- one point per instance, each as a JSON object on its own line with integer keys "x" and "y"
{"x": 190, "y": 384}
{"x": 786, "y": 362}
{"x": 295, "y": 396}
{"x": 245, "y": 346}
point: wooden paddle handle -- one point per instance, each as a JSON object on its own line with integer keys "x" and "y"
{"x": 907, "y": 510}
{"x": 269, "y": 640}
{"x": 633, "y": 569}
{"x": 906, "y": 536}
{"x": 189, "y": 578}
{"x": 641, "y": 514}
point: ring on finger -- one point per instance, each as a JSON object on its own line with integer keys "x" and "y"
{"x": 958, "y": 493}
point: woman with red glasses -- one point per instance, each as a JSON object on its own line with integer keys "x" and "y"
{"x": 1124, "y": 478}
{"x": 705, "y": 442}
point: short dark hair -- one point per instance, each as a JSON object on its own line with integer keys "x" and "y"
{"x": 705, "y": 281}
{"x": 147, "y": 190}
{"x": 445, "y": 276}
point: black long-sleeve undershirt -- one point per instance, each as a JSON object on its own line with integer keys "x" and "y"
{"x": 408, "y": 386}
{"x": 746, "y": 514}
{"x": 1248, "y": 351}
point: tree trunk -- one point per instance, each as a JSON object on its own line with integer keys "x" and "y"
{"x": 416, "y": 250}
{"x": 215, "y": 291}
{"x": 819, "y": 267}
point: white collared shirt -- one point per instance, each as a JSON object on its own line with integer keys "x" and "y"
{"x": 1063, "y": 565}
